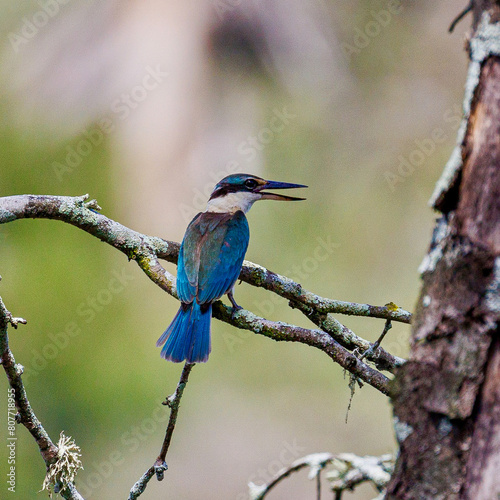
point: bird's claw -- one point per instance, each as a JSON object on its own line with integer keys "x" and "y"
{"x": 234, "y": 310}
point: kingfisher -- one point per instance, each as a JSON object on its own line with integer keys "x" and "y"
{"x": 210, "y": 260}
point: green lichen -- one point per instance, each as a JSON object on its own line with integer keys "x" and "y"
{"x": 392, "y": 307}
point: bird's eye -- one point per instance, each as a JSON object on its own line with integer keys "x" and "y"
{"x": 251, "y": 183}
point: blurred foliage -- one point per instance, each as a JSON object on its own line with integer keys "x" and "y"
{"x": 256, "y": 404}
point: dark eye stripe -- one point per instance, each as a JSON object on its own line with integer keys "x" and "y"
{"x": 223, "y": 190}
{"x": 233, "y": 188}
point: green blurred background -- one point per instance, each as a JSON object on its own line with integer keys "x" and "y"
{"x": 257, "y": 405}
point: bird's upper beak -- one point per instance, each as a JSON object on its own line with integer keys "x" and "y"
{"x": 279, "y": 185}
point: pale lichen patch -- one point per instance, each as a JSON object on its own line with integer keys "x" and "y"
{"x": 441, "y": 231}
{"x": 493, "y": 290}
{"x": 402, "y": 430}
{"x": 6, "y": 215}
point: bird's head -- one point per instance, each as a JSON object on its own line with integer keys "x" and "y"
{"x": 241, "y": 191}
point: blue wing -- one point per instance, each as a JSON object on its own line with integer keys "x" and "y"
{"x": 211, "y": 256}
{"x": 222, "y": 256}
{"x": 186, "y": 288}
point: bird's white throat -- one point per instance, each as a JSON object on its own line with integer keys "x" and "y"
{"x": 232, "y": 202}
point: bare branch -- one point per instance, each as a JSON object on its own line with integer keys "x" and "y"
{"x": 173, "y": 402}
{"x": 159, "y": 467}
{"x": 25, "y": 415}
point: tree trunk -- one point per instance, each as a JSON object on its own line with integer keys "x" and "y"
{"x": 447, "y": 396}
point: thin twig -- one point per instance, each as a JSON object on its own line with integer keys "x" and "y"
{"x": 460, "y": 17}
{"x": 160, "y": 466}
{"x": 373, "y": 353}
{"x": 173, "y": 402}
{"x": 387, "y": 327}
{"x": 279, "y": 477}
{"x": 26, "y": 416}
{"x": 372, "y": 350}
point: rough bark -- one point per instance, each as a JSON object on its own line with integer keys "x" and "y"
{"x": 447, "y": 396}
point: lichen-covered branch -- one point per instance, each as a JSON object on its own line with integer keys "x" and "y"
{"x": 140, "y": 486}
{"x": 160, "y": 466}
{"x": 285, "y": 287}
{"x": 348, "y": 471}
{"x": 49, "y": 451}
{"x": 316, "y": 462}
{"x": 146, "y": 251}
{"x": 348, "y": 339}
{"x": 84, "y": 214}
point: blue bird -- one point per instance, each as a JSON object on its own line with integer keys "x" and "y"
{"x": 210, "y": 260}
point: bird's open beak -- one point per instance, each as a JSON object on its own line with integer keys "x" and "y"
{"x": 279, "y": 185}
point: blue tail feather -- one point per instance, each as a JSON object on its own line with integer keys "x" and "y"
{"x": 188, "y": 336}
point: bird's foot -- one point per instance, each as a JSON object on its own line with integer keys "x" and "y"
{"x": 236, "y": 307}
{"x": 234, "y": 310}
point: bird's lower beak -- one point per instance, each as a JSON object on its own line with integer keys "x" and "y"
{"x": 280, "y": 185}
